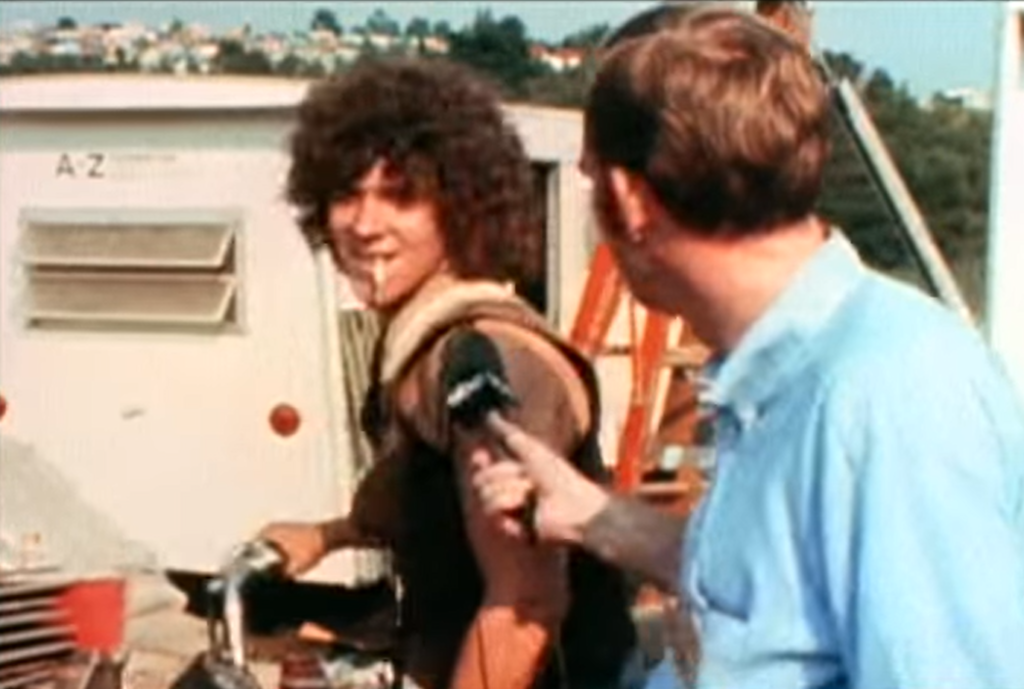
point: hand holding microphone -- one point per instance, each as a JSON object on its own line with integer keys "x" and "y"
{"x": 549, "y": 498}
{"x": 477, "y": 394}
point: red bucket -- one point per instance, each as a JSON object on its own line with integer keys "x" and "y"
{"x": 96, "y": 610}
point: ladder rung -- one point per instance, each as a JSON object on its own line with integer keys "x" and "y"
{"x": 658, "y": 489}
{"x": 692, "y": 356}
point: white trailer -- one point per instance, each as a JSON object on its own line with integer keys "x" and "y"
{"x": 158, "y": 304}
{"x": 1005, "y": 323}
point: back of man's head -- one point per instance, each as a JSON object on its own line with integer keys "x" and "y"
{"x": 724, "y": 116}
{"x": 658, "y": 18}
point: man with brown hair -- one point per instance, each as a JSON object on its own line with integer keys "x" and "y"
{"x": 410, "y": 171}
{"x": 865, "y": 525}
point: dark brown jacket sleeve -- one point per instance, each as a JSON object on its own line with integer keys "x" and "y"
{"x": 552, "y": 400}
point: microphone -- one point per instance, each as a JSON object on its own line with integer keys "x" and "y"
{"x": 477, "y": 393}
{"x": 474, "y": 379}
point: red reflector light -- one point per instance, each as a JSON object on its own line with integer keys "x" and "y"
{"x": 95, "y": 608}
{"x": 285, "y": 420}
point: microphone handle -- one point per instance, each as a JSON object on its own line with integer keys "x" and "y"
{"x": 527, "y": 514}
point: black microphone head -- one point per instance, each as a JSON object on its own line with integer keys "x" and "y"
{"x": 473, "y": 376}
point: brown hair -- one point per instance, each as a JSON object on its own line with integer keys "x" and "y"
{"x": 725, "y": 117}
{"x": 441, "y": 130}
{"x": 657, "y": 18}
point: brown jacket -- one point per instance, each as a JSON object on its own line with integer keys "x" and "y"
{"x": 410, "y": 498}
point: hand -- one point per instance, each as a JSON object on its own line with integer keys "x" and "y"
{"x": 565, "y": 499}
{"x": 303, "y": 545}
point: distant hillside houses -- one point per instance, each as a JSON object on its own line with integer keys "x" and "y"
{"x": 558, "y": 59}
{"x": 182, "y": 48}
{"x": 970, "y": 98}
{"x": 193, "y": 48}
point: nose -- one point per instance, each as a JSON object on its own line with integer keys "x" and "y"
{"x": 365, "y": 222}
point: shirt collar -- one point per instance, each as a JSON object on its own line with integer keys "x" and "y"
{"x": 776, "y": 344}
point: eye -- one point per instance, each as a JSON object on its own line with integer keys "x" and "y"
{"x": 400, "y": 193}
{"x": 342, "y": 197}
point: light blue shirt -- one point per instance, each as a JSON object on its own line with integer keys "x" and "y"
{"x": 865, "y": 527}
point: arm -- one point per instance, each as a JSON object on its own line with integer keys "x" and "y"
{"x": 371, "y": 518}
{"x": 526, "y": 586}
{"x": 572, "y": 509}
{"x": 922, "y": 540}
{"x": 525, "y": 599}
{"x": 341, "y": 533}
{"x": 612, "y": 535}
{"x": 304, "y": 544}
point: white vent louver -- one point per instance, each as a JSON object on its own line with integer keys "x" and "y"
{"x": 141, "y": 268}
{"x": 35, "y": 637}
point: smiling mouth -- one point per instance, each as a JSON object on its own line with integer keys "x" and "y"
{"x": 367, "y": 266}
{"x": 379, "y": 277}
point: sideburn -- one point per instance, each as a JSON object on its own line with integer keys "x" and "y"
{"x": 607, "y": 208}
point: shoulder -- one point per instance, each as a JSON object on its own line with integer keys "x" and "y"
{"x": 895, "y": 363}
{"x": 555, "y": 401}
{"x": 533, "y": 358}
{"x": 889, "y": 335}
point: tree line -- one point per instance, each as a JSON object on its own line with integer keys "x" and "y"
{"x": 941, "y": 148}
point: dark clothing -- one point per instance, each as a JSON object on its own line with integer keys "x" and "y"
{"x": 423, "y": 520}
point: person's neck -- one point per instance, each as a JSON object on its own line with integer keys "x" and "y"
{"x": 433, "y": 285}
{"x": 734, "y": 281}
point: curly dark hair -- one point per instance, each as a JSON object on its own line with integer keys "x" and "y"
{"x": 441, "y": 130}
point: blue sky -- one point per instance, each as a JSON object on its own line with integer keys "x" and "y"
{"x": 930, "y": 45}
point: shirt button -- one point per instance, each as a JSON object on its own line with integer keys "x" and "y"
{"x": 747, "y": 417}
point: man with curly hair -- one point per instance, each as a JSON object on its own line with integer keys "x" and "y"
{"x": 411, "y": 174}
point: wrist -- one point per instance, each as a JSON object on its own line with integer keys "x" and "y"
{"x": 588, "y": 501}
{"x": 333, "y": 534}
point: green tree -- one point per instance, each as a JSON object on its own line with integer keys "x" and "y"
{"x": 325, "y": 20}
{"x": 942, "y": 154}
{"x": 21, "y": 63}
{"x": 380, "y": 22}
{"x": 66, "y": 23}
{"x": 844, "y": 65}
{"x": 442, "y": 29}
{"x": 499, "y": 48}
{"x": 418, "y": 28}
{"x": 587, "y": 38}
{"x": 290, "y": 66}
{"x": 559, "y": 89}
{"x": 234, "y": 58}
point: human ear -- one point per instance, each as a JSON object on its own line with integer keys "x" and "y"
{"x": 633, "y": 201}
